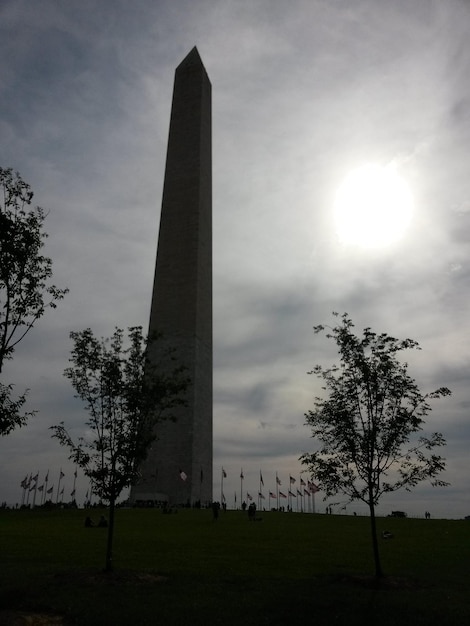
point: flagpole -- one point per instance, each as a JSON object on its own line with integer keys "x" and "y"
{"x": 35, "y": 488}
{"x": 50, "y": 491}
{"x": 277, "y": 492}
{"x": 74, "y": 483}
{"x": 290, "y": 492}
{"x": 259, "y": 492}
{"x": 29, "y": 485}
{"x": 313, "y": 488}
{"x": 58, "y": 486}
{"x": 46, "y": 480}
{"x": 222, "y": 488}
{"x": 241, "y": 487}
{"x": 23, "y": 484}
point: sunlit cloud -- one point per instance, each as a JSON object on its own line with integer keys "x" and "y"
{"x": 303, "y": 94}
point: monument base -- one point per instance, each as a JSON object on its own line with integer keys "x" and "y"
{"x": 150, "y": 499}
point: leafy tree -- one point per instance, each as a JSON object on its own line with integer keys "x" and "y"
{"x": 126, "y": 397}
{"x": 24, "y": 275}
{"x": 367, "y": 426}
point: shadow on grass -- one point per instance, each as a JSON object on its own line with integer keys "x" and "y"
{"x": 302, "y": 568}
{"x": 93, "y": 597}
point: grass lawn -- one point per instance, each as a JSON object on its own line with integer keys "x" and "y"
{"x": 185, "y": 568}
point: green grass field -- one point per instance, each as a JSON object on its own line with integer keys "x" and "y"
{"x": 185, "y": 568}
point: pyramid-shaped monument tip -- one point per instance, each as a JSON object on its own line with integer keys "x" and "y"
{"x": 192, "y": 58}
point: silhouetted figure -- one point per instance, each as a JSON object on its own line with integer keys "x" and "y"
{"x": 252, "y": 512}
{"x": 103, "y": 523}
{"x": 215, "y": 510}
{"x": 88, "y": 522}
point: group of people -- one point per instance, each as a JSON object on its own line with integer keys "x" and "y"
{"x": 252, "y": 513}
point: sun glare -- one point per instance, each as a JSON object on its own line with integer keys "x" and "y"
{"x": 373, "y": 207}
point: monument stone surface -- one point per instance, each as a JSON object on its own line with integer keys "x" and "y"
{"x": 178, "y": 468}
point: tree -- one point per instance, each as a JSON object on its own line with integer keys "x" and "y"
{"x": 126, "y": 397}
{"x": 367, "y": 425}
{"x": 24, "y": 274}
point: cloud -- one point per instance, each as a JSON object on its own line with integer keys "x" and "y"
{"x": 301, "y": 94}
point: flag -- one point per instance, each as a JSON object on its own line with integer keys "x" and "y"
{"x": 278, "y": 481}
{"x": 62, "y": 492}
{"x": 50, "y": 490}
{"x": 72, "y": 493}
{"x": 41, "y": 488}
{"x": 47, "y": 477}
{"x": 302, "y": 482}
{"x": 261, "y": 478}
{"x": 183, "y": 475}
{"x": 272, "y": 495}
{"x": 307, "y": 493}
{"x": 261, "y": 495}
{"x": 35, "y": 478}
{"x": 223, "y": 497}
{"x": 25, "y": 483}
{"x": 61, "y": 475}
{"x": 282, "y": 495}
{"x": 241, "y": 475}
{"x": 248, "y": 496}
{"x": 235, "y": 496}
{"x": 75, "y": 473}
{"x": 292, "y": 480}
{"x": 292, "y": 494}
{"x": 224, "y": 473}
{"x": 299, "y": 492}
{"x": 313, "y": 487}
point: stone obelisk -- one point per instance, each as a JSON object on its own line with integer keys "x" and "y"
{"x": 178, "y": 468}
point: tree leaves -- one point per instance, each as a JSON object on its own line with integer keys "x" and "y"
{"x": 11, "y": 415}
{"x": 24, "y": 274}
{"x": 125, "y": 397}
{"x": 372, "y": 409}
{"x": 367, "y": 427}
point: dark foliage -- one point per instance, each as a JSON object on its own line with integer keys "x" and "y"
{"x": 367, "y": 425}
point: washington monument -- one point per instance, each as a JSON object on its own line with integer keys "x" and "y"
{"x": 178, "y": 468}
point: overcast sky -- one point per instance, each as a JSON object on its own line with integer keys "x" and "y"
{"x": 303, "y": 92}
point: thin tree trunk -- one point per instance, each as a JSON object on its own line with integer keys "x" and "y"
{"x": 109, "y": 546}
{"x": 375, "y": 544}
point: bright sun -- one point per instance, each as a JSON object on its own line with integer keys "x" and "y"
{"x": 373, "y": 207}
